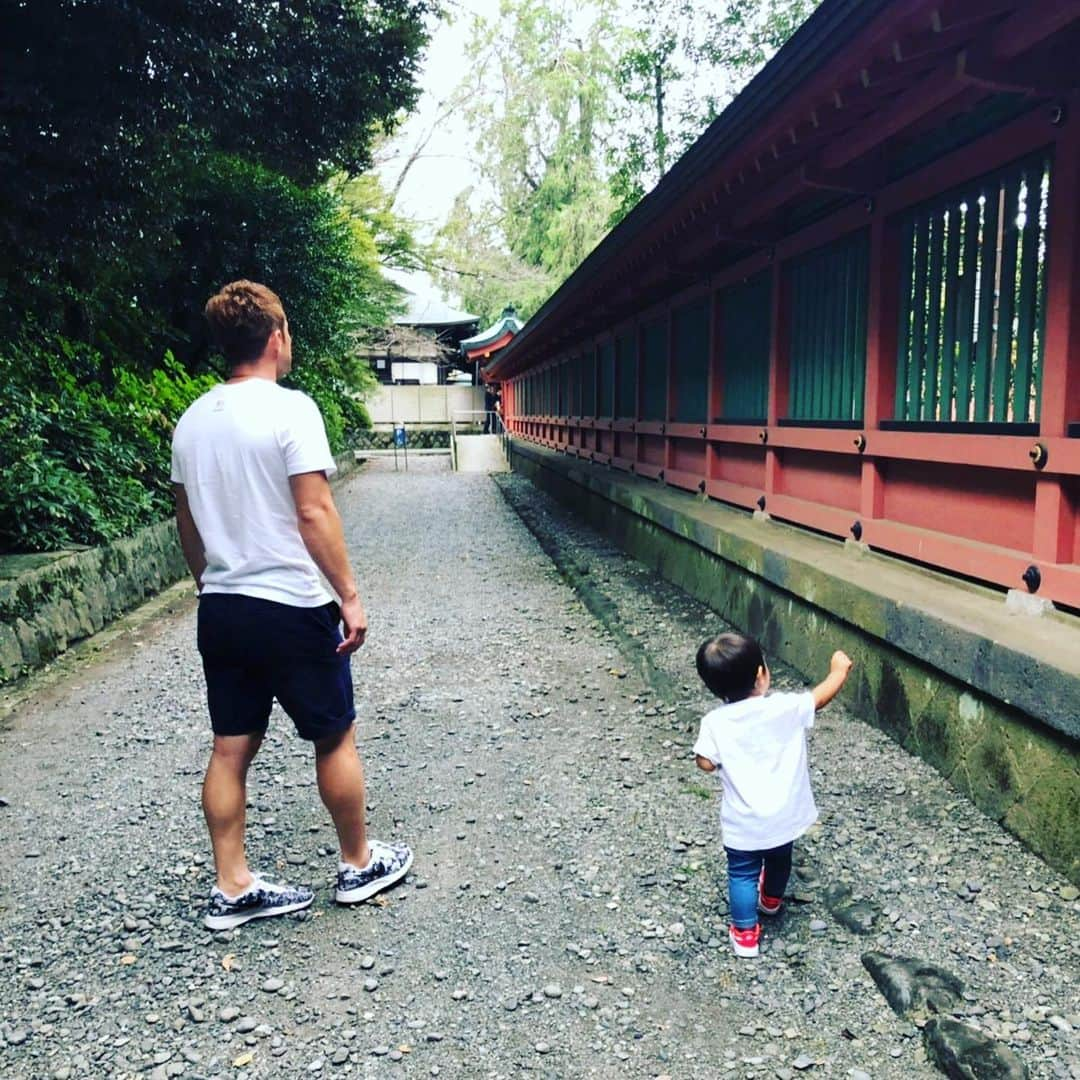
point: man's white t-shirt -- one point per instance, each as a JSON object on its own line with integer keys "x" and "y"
{"x": 234, "y": 450}
{"x": 759, "y": 745}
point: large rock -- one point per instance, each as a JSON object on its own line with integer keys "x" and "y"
{"x": 858, "y": 914}
{"x": 963, "y": 1052}
{"x": 913, "y": 987}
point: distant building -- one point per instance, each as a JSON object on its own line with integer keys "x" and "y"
{"x": 485, "y": 346}
{"x": 422, "y": 347}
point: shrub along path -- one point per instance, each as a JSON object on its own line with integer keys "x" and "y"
{"x": 566, "y": 914}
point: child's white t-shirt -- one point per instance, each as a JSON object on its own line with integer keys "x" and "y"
{"x": 759, "y": 745}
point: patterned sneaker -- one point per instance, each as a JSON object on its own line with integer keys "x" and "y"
{"x": 388, "y": 863}
{"x": 262, "y": 900}
{"x": 767, "y": 905}
{"x": 745, "y": 942}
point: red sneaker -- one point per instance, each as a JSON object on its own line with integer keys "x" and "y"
{"x": 767, "y": 905}
{"x": 745, "y": 942}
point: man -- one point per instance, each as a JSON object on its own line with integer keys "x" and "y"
{"x": 256, "y": 518}
{"x": 492, "y": 408}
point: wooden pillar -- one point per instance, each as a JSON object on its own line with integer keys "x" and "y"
{"x": 715, "y": 380}
{"x": 670, "y": 397}
{"x": 1055, "y": 513}
{"x": 778, "y": 372}
{"x": 882, "y": 316}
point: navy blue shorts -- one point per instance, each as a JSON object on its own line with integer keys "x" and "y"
{"x": 256, "y": 650}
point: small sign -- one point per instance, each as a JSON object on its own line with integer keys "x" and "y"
{"x": 399, "y": 437}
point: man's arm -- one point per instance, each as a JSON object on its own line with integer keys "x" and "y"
{"x": 190, "y": 541}
{"x": 320, "y": 529}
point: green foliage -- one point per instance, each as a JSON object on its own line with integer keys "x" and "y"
{"x": 85, "y": 467}
{"x": 132, "y": 91}
{"x": 683, "y": 65}
{"x": 578, "y": 112}
{"x": 161, "y": 152}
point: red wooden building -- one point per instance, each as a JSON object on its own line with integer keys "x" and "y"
{"x": 855, "y": 301}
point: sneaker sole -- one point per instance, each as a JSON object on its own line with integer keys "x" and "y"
{"x": 769, "y": 911}
{"x": 227, "y": 922}
{"x": 365, "y": 892}
{"x": 742, "y": 950}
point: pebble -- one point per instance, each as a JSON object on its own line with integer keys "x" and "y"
{"x": 228, "y": 1013}
{"x": 371, "y": 985}
{"x": 272, "y": 986}
{"x": 553, "y": 990}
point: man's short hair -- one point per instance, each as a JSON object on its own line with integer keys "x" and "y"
{"x": 728, "y": 665}
{"x": 242, "y": 317}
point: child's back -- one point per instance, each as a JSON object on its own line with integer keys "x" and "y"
{"x": 760, "y": 746}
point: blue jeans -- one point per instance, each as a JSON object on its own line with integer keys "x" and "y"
{"x": 744, "y": 869}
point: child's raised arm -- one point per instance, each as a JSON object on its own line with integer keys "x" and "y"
{"x": 704, "y": 763}
{"x": 829, "y": 687}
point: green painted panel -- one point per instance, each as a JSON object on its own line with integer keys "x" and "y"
{"x": 907, "y": 263}
{"x": 588, "y": 383}
{"x": 1027, "y": 288}
{"x": 605, "y": 375}
{"x": 654, "y": 375}
{"x": 626, "y": 391}
{"x": 690, "y": 324}
{"x": 977, "y": 285}
{"x": 955, "y": 233}
{"x": 827, "y": 360}
{"x": 1004, "y": 336}
{"x": 746, "y": 338}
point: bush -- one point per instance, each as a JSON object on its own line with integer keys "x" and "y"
{"x": 82, "y": 466}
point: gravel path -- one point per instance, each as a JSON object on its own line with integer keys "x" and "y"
{"x": 566, "y": 916}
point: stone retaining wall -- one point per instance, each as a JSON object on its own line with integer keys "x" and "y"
{"x": 991, "y": 700}
{"x": 51, "y": 601}
{"x": 419, "y": 439}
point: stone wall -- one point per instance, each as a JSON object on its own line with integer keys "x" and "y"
{"x": 419, "y": 439}
{"x": 991, "y": 700}
{"x": 51, "y": 601}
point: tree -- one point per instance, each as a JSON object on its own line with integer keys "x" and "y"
{"x": 541, "y": 129}
{"x": 578, "y": 112}
{"x": 132, "y": 93}
{"x": 163, "y": 150}
{"x": 684, "y": 64}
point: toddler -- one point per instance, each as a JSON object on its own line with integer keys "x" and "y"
{"x": 758, "y": 742}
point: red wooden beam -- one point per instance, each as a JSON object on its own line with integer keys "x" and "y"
{"x": 911, "y": 106}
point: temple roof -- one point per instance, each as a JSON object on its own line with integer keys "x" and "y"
{"x": 504, "y": 327}
{"x": 431, "y": 311}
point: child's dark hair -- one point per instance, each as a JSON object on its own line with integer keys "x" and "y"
{"x": 728, "y": 665}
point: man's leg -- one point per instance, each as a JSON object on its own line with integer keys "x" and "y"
{"x": 224, "y": 798}
{"x": 341, "y": 785}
